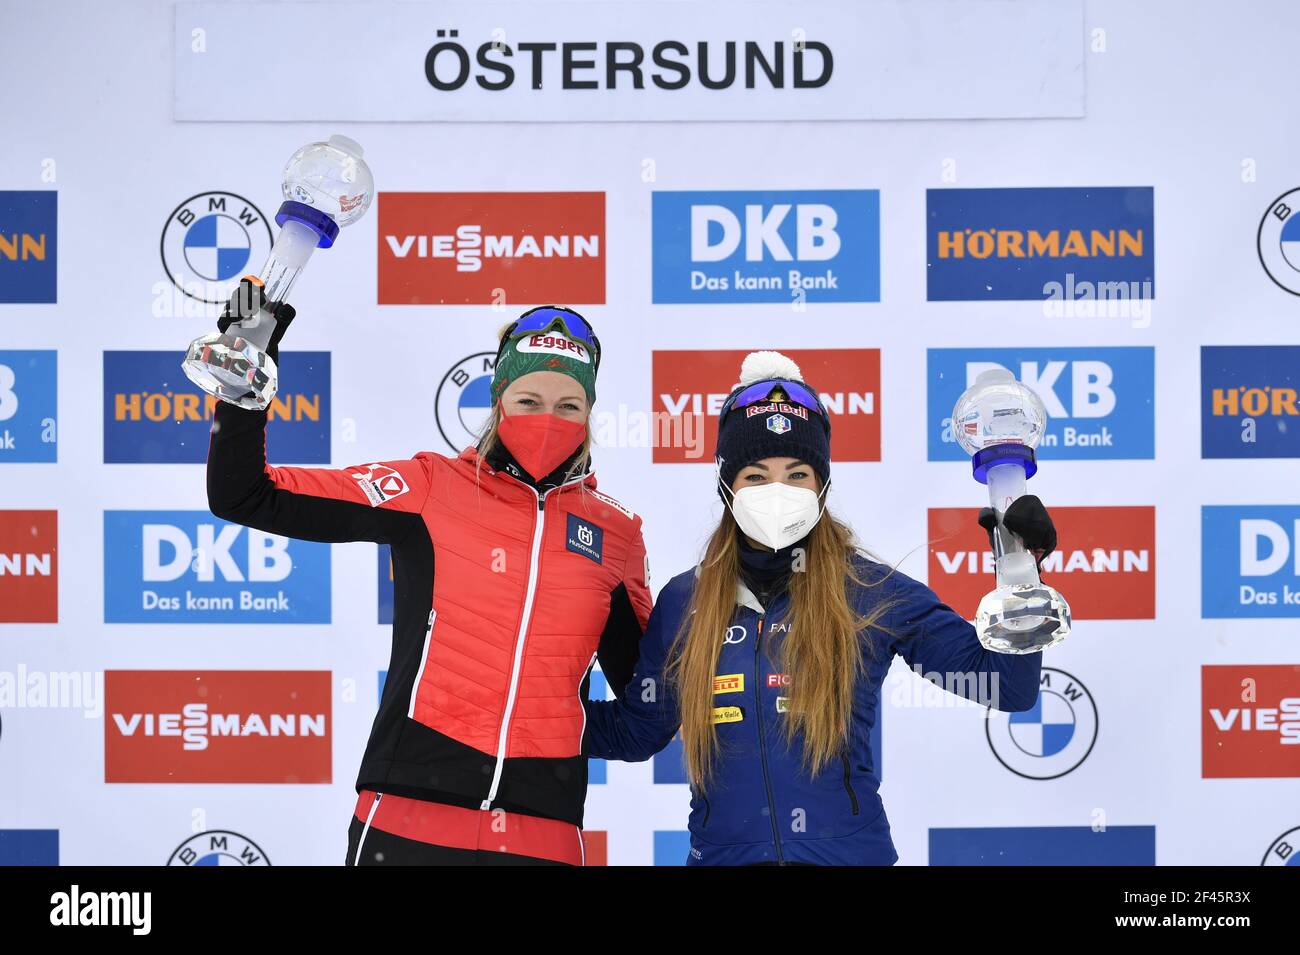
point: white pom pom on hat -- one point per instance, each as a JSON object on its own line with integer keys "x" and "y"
{"x": 764, "y": 365}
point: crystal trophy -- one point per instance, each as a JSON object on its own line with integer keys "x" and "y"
{"x": 326, "y": 185}
{"x": 999, "y": 421}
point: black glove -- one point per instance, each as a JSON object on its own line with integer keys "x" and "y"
{"x": 246, "y": 301}
{"x": 1028, "y": 520}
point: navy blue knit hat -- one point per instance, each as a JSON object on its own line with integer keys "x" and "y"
{"x": 776, "y": 427}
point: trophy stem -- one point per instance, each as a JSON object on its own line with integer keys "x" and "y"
{"x": 293, "y": 248}
{"x": 1022, "y": 614}
{"x": 1006, "y": 482}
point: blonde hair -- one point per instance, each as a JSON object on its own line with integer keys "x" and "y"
{"x": 821, "y": 652}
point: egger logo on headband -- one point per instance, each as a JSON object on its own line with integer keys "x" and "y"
{"x": 552, "y": 343}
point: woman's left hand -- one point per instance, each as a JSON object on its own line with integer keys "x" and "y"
{"x": 1028, "y": 520}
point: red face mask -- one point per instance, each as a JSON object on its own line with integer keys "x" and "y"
{"x": 540, "y": 442}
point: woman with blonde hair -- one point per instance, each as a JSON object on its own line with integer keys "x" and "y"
{"x": 769, "y": 655}
{"x": 511, "y": 574}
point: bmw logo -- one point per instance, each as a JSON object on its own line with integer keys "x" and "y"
{"x": 218, "y": 847}
{"x": 1051, "y": 739}
{"x": 1278, "y": 241}
{"x": 1283, "y": 850}
{"x": 212, "y": 240}
{"x": 464, "y": 400}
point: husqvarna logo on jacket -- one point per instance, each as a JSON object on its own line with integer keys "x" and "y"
{"x": 585, "y": 538}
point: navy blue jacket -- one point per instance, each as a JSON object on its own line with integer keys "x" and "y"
{"x": 762, "y": 805}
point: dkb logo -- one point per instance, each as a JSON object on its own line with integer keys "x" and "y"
{"x": 1100, "y": 401}
{"x": 28, "y": 406}
{"x": 1250, "y": 561}
{"x": 789, "y": 246}
{"x": 189, "y": 567}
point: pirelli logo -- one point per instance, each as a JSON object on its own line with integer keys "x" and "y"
{"x": 728, "y": 714}
{"x": 730, "y": 683}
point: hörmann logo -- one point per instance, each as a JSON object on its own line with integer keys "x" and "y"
{"x": 220, "y": 726}
{"x": 491, "y": 248}
{"x": 1250, "y": 721}
{"x": 1040, "y": 244}
{"x": 29, "y": 259}
{"x": 792, "y": 246}
{"x": 1250, "y": 401}
{"x": 190, "y": 567}
{"x": 691, "y": 386}
{"x": 1100, "y": 401}
{"x": 1106, "y": 568}
{"x": 153, "y": 414}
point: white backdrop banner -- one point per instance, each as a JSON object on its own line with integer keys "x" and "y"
{"x": 559, "y": 61}
{"x": 1138, "y": 270}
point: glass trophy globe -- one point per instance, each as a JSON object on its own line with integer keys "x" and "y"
{"x": 999, "y": 421}
{"x": 326, "y": 185}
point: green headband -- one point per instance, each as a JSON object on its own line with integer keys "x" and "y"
{"x": 545, "y": 351}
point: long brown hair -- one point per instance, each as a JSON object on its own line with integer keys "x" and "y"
{"x": 821, "y": 652}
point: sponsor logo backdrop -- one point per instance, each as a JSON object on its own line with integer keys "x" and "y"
{"x": 154, "y": 659}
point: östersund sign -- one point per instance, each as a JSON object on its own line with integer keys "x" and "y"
{"x": 560, "y": 60}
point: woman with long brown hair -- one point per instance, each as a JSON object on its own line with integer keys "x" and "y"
{"x": 769, "y": 655}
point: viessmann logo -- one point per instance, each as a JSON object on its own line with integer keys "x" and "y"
{"x": 220, "y": 726}
{"x": 153, "y": 414}
{"x": 491, "y": 248}
{"x": 1106, "y": 568}
{"x": 29, "y": 566}
{"x": 691, "y": 386}
{"x": 780, "y": 246}
{"x": 190, "y": 567}
{"x": 1250, "y": 721}
{"x": 1070, "y": 244}
{"x": 1100, "y": 401}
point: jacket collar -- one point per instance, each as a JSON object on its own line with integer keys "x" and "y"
{"x": 473, "y": 459}
{"x": 744, "y": 596}
{"x": 500, "y": 459}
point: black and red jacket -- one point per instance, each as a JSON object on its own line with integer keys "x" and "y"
{"x": 504, "y": 592}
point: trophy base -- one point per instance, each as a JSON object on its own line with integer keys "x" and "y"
{"x": 1022, "y": 618}
{"x": 233, "y": 369}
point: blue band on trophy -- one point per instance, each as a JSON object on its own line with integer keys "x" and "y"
{"x": 985, "y": 458}
{"x": 322, "y": 224}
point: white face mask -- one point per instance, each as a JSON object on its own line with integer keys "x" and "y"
{"x": 776, "y": 514}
